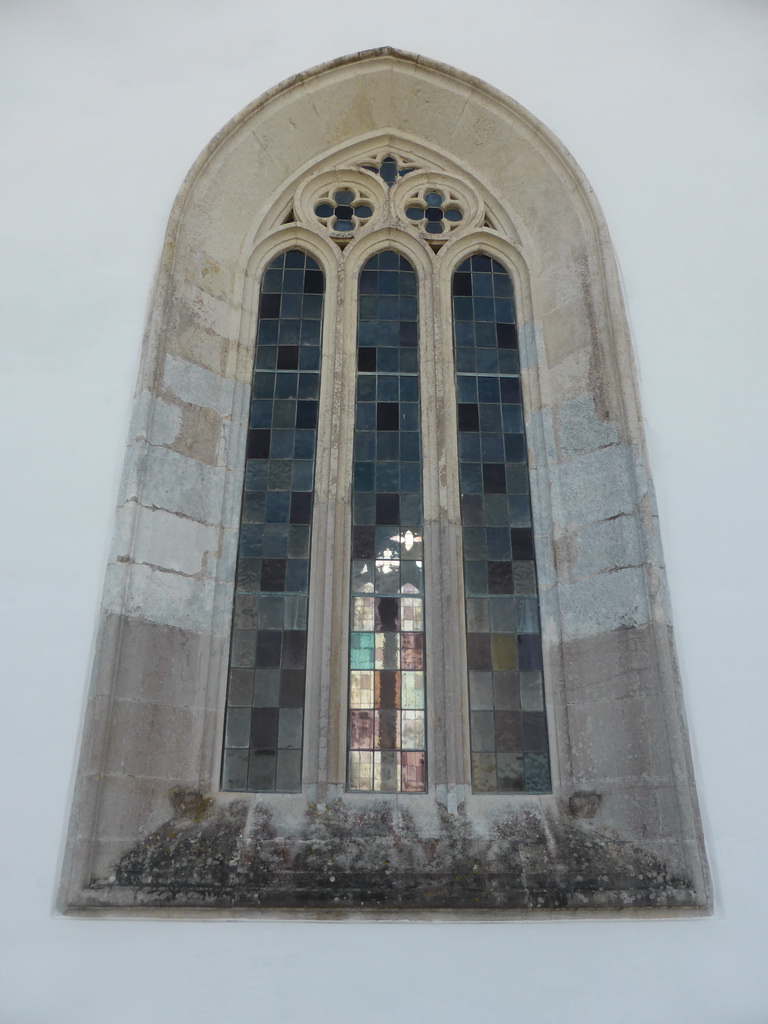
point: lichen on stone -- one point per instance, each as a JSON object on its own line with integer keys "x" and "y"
{"x": 209, "y": 855}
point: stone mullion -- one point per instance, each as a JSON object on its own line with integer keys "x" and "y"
{"x": 328, "y": 602}
{"x": 446, "y": 645}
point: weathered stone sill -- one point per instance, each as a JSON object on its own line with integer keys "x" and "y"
{"x": 376, "y": 860}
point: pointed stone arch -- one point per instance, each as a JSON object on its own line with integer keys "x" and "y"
{"x": 150, "y": 827}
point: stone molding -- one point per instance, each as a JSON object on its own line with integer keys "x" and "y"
{"x": 150, "y": 830}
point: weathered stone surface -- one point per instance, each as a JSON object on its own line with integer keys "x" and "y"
{"x": 165, "y": 424}
{"x": 607, "y": 546}
{"x": 200, "y": 435}
{"x": 174, "y": 482}
{"x": 175, "y": 663}
{"x": 604, "y": 603}
{"x": 223, "y": 857}
{"x": 173, "y": 542}
{"x": 580, "y": 429}
{"x": 146, "y": 592}
{"x": 611, "y": 666}
{"x": 594, "y": 486}
{"x": 621, "y": 827}
{"x": 197, "y": 385}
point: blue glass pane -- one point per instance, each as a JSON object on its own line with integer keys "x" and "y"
{"x": 386, "y": 742}
{"x": 509, "y": 746}
{"x": 265, "y": 714}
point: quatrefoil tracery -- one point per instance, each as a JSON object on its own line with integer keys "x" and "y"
{"x": 344, "y": 210}
{"x": 388, "y": 190}
{"x": 435, "y": 212}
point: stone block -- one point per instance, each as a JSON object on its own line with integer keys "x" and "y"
{"x": 175, "y": 543}
{"x": 609, "y": 742}
{"x": 177, "y": 483}
{"x": 580, "y": 430}
{"x": 165, "y": 424}
{"x": 155, "y": 741}
{"x": 200, "y": 434}
{"x": 611, "y": 666}
{"x": 606, "y": 546}
{"x": 163, "y": 664}
{"x": 197, "y": 385}
{"x": 593, "y": 487}
{"x": 145, "y": 592}
{"x": 599, "y": 604}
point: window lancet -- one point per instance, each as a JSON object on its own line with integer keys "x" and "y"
{"x": 506, "y": 696}
{"x": 265, "y": 700}
{"x": 387, "y": 717}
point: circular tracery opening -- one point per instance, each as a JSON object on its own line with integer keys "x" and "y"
{"x": 344, "y": 210}
{"x": 434, "y": 209}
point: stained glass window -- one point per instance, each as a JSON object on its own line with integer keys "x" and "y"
{"x": 387, "y": 734}
{"x": 265, "y": 702}
{"x": 508, "y": 726}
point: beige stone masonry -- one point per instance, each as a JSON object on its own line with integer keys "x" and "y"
{"x": 151, "y": 831}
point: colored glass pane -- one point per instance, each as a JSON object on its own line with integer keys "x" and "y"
{"x": 265, "y": 704}
{"x": 387, "y": 716}
{"x": 506, "y": 697}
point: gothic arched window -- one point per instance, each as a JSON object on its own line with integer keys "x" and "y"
{"x": 385, "y": 624}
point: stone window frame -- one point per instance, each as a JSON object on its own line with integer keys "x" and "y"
{"x": 622, "y": 776}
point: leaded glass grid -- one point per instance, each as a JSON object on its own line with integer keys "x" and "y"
{"x": 387, "y": 727}
{"x": 265, "y": 700}
{"x": 509, "y": 743}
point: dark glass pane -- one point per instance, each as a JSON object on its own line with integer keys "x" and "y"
{"x": 522, "y": 545}
{"x": 387, "y": 416}
{"x": 269, "y": 307}
{"x": 313, "y": 284}
{"x": 469, "y": 416}
{"x": 508, "y": 727}
{"x": 462, "y": 284}
{"x": 258, "y": 444}
{"x": 388, "y": 509}
{"x": 388, "y": 170}
{"x": 506, "y": 335}
{"x": 386, "y": 640}
{"x": 269, "y": 641}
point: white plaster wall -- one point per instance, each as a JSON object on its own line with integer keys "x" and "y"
{"x": 104, "y": 108}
